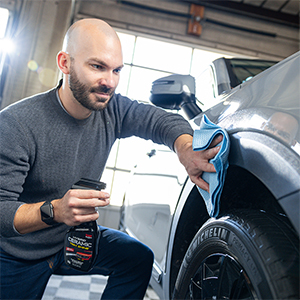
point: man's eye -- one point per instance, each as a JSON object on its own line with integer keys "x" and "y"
{"x": 99, "y": 67}
{"x": 117, "y": 71}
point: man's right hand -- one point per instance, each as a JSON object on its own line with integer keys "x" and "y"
{"x": 76, "y": 207}
{"x": 79, "y": 206}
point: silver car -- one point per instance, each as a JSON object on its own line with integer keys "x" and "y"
{"x": 251, "y": 249}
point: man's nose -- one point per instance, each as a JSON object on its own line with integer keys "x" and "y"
{"x": 108, "y": 80}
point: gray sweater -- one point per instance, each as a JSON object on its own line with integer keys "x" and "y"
{"x": 43, "y": 151}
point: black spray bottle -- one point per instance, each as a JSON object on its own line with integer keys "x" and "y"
{"x": 81, "y": 242}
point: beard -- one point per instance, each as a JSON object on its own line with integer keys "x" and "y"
{"x": 82, "y": 92}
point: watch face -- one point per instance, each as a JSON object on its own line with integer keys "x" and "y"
{"x": 47, "y": 210}
{"x": 47, "y": 213}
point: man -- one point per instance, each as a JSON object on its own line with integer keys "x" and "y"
{"x": 50, "y": 141}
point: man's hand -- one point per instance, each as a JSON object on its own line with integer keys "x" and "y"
{"x": 79, "y": 206}
{"x": 196, "y": 162}
{"x": 76, "y": 207}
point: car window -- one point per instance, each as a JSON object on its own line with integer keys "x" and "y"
{"x": 241, "y": 70}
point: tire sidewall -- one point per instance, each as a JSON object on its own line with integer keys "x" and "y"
{"x": 225, "y": 236}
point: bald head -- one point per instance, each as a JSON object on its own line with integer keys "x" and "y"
{"x": 91, "y": 61}
{"x": 83, "y": 32}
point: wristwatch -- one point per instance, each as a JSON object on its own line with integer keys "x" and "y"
{"x": 47, "y": 213}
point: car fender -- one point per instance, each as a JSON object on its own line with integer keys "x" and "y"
{"x": 250, "y": 150}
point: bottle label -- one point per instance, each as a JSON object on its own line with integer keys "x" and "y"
{"x": 81, "y": 246}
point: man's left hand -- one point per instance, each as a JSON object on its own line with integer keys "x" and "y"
{"x": 196, "y": 162}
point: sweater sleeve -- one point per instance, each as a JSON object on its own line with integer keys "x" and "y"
{"x": 150, "y": 122}
{"x": 14, "y": 165}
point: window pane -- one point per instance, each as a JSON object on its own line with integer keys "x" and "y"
{"x": 111, "y": 161}
{"x": 120, "y": 183}
{"x": 141, "y": 82}
{"x": 162, "y": 56}
{"x": 201, "y": 60}
{"x": 131, "y": 150}
{"x": 4, "y": 14}
{"x": 127, "y": 42}
{"x": 124, "y": 78}
{"x": 107, "y": 177}
{"x": 205, "y": 89}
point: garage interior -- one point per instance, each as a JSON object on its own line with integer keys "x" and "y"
{"x": 265, "y": 29}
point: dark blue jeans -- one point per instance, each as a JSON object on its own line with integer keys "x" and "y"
{"x": 127, "y": 262}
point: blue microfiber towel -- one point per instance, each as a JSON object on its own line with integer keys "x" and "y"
{"x": 201, "y": 141}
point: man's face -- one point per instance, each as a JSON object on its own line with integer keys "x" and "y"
{"x": 92, "y": 97}
{"x": 95, "y": 72}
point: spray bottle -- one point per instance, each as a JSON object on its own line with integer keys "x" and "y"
{"x": 82, "y": 241}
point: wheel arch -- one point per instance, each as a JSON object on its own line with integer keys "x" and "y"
{"x": 245, "y": 187}
{"x": 191, "y": 214}
{"x": 274, "y": 164}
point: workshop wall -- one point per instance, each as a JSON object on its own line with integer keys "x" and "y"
{"x": 220, "y": 30}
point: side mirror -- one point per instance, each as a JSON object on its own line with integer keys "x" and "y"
{"x": 176, "y": 92}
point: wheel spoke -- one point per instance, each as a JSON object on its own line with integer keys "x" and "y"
{"x": 241, "y": 289}
{"x": 220, "y": 277}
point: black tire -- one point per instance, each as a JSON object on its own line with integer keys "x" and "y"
{"x": 248, "y": 255}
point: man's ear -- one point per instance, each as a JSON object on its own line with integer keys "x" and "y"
{"x": 63, "y": 62}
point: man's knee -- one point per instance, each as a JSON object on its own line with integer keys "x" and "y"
{"x": 142, "y": 254}
{"x": 149, "y": 256}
